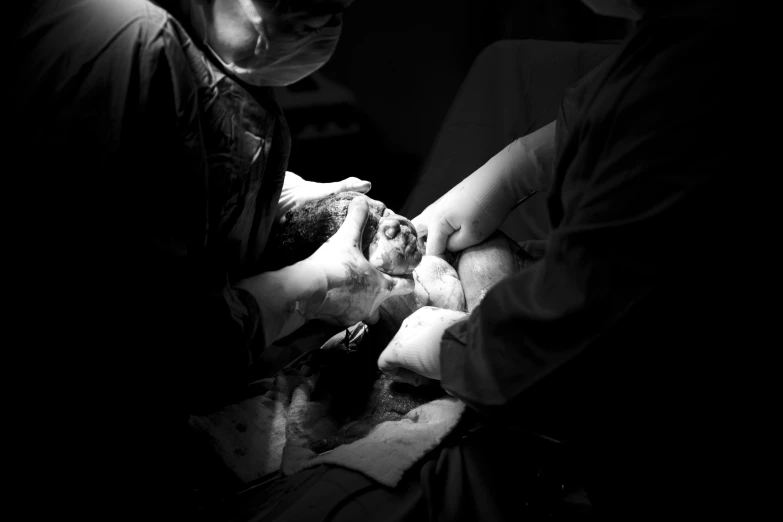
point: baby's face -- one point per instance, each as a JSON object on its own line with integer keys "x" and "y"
{"x": 394, "y": 249}
{"x": 389, "y": 241}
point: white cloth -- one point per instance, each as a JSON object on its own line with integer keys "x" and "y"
{"x": 269, "y": 432}
{"x": 392, "y": 447}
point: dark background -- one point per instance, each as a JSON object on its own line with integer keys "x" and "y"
{"x": 399, "y": 66}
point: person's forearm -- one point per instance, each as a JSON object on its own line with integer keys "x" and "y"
{"x": 288, "y": 297}
{"x": 523, "y": 167}
{"x": 531, "y": 164}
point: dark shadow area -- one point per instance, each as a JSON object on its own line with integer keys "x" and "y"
{"x": 375, "y": 109}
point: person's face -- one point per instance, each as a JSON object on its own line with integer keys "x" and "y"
{"x": 614, "y": 8}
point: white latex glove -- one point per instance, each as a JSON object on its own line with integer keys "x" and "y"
{"x": 475, "y": 208}
{"x": 354, "y": 289}
{"x": 336, "y": 283}
{"x": 414, "y": 352}
{"x": 297, "y": 191}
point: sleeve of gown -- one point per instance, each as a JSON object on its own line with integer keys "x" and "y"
{"x": 202, "y": 327}
{"x": 642, "y": 182}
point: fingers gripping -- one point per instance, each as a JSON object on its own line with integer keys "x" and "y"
{"x": 438, "y": 237}
{"x": 421, "y": 221}
{"x": 355, "y": 221}
{"x": 387, "y": 360}
{"x": 357, "y": 185}
{"x": 351, "y": 184}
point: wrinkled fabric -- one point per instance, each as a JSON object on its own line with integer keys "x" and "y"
{"x": 481, "y": 476}
{"x": 151, "y": 182}
{"x": 185, "y": 164}
{"x": 150, "y": 186}
{"x": 610, "y": 340}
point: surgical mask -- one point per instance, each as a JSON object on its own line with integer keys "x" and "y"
{"x": 281, "y": 63}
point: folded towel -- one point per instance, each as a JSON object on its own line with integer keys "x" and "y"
{"x": 392, "y": 447}
{"x": 249, "y": 436}
{"x": 330, "y": 407}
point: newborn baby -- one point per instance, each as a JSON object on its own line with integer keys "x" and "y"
{"x": 389, "y": 241}
{"x": 347, "y": 377}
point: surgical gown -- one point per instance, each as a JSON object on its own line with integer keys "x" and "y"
{"x": 622, "y": 339}
{"x": 151, "y": 180}
{"x": 172, "y": 172}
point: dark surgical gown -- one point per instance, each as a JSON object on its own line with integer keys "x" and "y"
{"x": 623, "y": 339}
{"x": 150, "y": 185}
{"x": 169, "y": 167}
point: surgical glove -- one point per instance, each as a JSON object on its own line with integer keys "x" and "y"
{"x": 414, "y": 351}
{"x": 297, "y": 191}
{"x": 354, "y": 289}
{"x": 478, "y": 205}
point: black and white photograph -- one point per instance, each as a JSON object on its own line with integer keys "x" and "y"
{"x": 376, "y": 261}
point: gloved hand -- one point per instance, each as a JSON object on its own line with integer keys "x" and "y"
{"x": 297, "y": 191}
{"x": 475, "y": 208}
{"x": 354, "y": 289}
{"x": 414, "y": 352}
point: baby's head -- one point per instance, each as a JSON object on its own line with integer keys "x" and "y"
{"x": 389, "y": 241}
{"x": 394, "y": 248}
